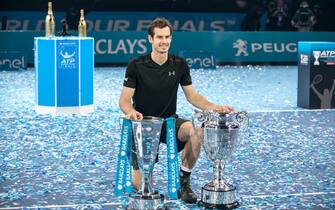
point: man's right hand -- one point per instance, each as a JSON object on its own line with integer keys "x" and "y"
{"x": 134, "y": 115}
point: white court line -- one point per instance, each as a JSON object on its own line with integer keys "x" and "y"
{"x": 289, "y": 110}
{"x": 107, "y": 204}
{"x": 288, "y": 195}
{"x": 60, "y": 206}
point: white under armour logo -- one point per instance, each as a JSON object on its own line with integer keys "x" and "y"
{"x": 126, "y": 79}
{"x": 172, "y": 73}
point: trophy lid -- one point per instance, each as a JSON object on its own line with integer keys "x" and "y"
{"x": 149, "y": 119}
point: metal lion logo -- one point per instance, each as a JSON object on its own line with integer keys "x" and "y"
{"x": 241, "y": 46}
{"x": 68, "y": 61}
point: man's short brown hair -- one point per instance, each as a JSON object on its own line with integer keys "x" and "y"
{"x": 159, "y": 23}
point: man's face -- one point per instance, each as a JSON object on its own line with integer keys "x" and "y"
{"x": 161, "y": 40}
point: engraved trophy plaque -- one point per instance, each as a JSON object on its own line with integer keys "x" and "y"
{"x": 220, "y": 135}
{"x": 146, "y": 142}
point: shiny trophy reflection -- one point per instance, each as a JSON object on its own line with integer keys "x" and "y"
{"x": 146, "y": 141}
{"x": 219, "y": 134}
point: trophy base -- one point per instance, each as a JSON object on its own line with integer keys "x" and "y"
{"x": 218, "y": 198}
{"x": 139, "y": 201}
{"x": 220, "y": 206}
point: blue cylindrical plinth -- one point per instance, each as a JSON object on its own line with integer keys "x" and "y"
{"x": 64, "y": 75}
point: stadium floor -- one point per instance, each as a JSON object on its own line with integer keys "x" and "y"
{"x": 285, "y": 161}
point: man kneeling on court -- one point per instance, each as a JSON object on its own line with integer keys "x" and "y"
{"x": 150, "y": 89}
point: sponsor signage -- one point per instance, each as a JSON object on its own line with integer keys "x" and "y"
{"x": 244, "y": 49}
{"x": 12, "y": 60}
{"x": 326, "y": 57}
{"x": 67, "y": 54}
{"x": 121, "y": 47}
{"x": 316, "y": 79}
{"x": 134, "y": 21}
{"x": 67, "y": 59}
{"x": 253, "y": 49}
{"x": 199, "y": 59}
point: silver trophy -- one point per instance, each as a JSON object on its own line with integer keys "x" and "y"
{"x": 316, "y": 55}
{"x": 219, "y": 134}
{"x": 146, "y": 142}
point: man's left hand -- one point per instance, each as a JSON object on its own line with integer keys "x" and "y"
{"x": 223, "y": 109}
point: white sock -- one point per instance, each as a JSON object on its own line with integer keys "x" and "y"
{"x": 185, "y": 169}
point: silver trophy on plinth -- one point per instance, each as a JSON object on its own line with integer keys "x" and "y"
{"x": 146, "y": 134}
{"x": 219, "y": 133}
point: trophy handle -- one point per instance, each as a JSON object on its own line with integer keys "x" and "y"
{"x": 241, "y": 120}
{"x": 199, "y": 119}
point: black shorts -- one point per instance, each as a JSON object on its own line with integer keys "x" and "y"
{"x": 180, "y": 145}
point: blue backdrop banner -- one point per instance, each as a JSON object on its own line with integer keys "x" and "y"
{"x": 120, "y": 47}
{"x": 134, "y": 21}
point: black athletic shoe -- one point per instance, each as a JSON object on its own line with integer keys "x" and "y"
{"x": 186, "y": 193}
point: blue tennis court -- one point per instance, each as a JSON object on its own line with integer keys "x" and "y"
{"x": 285, "y": 161}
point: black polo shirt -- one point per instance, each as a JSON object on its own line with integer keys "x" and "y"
{"x": 156, "y": 86}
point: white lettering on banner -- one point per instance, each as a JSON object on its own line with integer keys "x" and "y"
{"x": 203, "y": 62}
{"x": 201, "y": 26}
{"x": 175, "y": 24}
{"x": 25, "y": 25}
{"x": 39, "y": 25}
{"x": 127, "y": 46}
{"x": 281, "y": 49}
{"x": 188, "y": 26}
{"x": 218, "y": 25}
{"x": 102, "y": 24}
{"x": 143, "y": 25}
{"x": 142, "y": 46}
{"x": 274, "y": 47}
{"x": 255, "y": 47}
{"x": 171, "y": 136}
{"x": 13, "y": 25}
{"x": 122, "y": 160}
{"x": 119, "y": 25}
{"x": 97, "y": 25}
{"x": 131, "y": 46}
{"x": 13, "y": 63}
{"x": 98, "y": 48}
{"x": 120, "y": 47}
{"x": 327, "y": 53}
{"x": 68, "y": 61}
{"x": 291, "y": 47}
{"x": 267, "y": 47}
